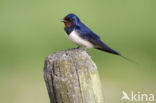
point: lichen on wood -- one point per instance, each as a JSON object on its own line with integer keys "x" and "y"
{"x": 72, "y": 77}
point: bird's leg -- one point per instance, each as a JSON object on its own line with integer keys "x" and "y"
{"x": 82, "y": 48}
{"x": 78, "y": 47}
{"x": 85, "y": 48}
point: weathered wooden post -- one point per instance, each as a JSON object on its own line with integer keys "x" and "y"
{"x": 72, "y": 77}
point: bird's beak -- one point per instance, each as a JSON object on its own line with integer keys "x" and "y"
{"x": 63, "y": 20}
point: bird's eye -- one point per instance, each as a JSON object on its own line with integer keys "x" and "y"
{"x": 67, "y": 19}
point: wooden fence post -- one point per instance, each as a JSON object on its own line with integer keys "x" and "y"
{"x": 72, "y": 77}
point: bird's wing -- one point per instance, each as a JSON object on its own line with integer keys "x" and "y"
{"x": 90, "y": 36}
{"x": 87, "y": 34}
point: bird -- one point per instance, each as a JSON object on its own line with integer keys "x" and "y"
{"x": 81, "y": 35}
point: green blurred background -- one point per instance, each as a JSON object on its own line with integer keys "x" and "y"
{"x": 30, "y": 30}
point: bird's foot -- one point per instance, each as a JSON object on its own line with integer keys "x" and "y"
{"x": 77, "y": 47}
{"x": 82, "y": 48}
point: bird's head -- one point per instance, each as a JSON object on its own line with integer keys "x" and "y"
{"x": 71, "y": 19}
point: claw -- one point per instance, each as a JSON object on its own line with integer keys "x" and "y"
{"x": 78, "y": 47}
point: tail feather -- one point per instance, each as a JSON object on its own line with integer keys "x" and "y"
{"x": 130, "y": 60}
{"x": 101, "y": 46}
{"x": 116, "y": 53}
{"x": 104, "y": 47}
{"x": 109, "y": 51}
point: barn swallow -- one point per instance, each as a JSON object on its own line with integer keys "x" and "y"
{"x": 81, "y": 35}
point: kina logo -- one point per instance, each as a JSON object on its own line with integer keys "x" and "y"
{"x": 137, "y": 97}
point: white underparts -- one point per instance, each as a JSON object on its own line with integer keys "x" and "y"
{"x": 76, "y": 39}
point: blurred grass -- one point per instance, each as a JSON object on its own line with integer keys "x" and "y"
{"x": 31, "y": 29}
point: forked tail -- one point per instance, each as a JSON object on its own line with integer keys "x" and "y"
{"x": 130, "y": 60}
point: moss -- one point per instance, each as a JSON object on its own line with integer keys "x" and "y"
{"x": 74, "y": 78}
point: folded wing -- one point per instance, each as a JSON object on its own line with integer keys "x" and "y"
{"x": 90, "y": 36}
